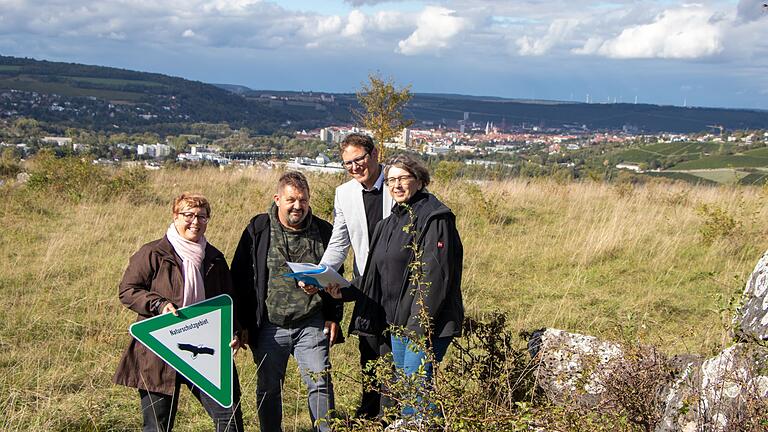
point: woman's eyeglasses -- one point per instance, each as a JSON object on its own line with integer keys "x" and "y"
{"x": 189, "y": 217}
{"x": 391, "y": 181}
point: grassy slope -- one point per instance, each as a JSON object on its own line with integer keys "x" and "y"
{"x": 32, "y": 84}
{"x": 676, "y": 175}
{"x": 754, "y": 179}
{"x": 592, "y": 258}
{"x": 663, "y": 150}
{"x": 756, "y": 158}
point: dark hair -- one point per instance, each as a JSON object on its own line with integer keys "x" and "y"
{"x": 295, "y": 179}
{"x": 409, "y": 163}
{"x": 359, "y": 140}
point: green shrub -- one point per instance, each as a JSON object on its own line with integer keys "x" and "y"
{"x": 75, "y": 179}
{"x": 717, "y": 223}
{"x": 447, "y": 171}
{"x": 9, "y": 164}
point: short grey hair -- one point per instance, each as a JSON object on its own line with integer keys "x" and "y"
{"x": 409, "y": 163}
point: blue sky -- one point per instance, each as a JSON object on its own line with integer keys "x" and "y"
{"x": 711, "y": 53}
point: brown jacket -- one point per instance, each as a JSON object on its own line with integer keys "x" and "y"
{"x": 153, "y": 277}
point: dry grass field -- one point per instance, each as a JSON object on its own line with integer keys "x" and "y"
{"x": 657, "y": 263}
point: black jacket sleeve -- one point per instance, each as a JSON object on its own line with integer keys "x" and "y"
{"x": 352, "y": 292}
{"x": 437, "y": 249}
{"x": 243, "y": 281}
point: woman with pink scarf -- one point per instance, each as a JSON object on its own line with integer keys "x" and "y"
{"x": 178, "y": 270}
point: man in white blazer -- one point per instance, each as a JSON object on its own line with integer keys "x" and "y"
{"x": 358, "y": 206}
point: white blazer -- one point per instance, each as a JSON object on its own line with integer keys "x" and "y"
{"x": 350, "y": 226}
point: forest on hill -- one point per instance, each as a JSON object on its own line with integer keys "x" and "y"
{"x": 105, "y": 98}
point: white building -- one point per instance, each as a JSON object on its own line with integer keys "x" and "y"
{"x": 630, "y": 167}
{"x": 59, "y": 141}
{"x": 326, "y": 135}
{"x": 154, "y": 150}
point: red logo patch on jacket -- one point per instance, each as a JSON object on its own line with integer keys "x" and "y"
{"x": 440, "y": 245}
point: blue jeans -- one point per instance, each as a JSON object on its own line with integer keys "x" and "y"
{"x": 408, "y": 358}
{"x": 271, "y": 351}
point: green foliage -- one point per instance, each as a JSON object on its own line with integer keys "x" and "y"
{"x": 486, "y": 207}
{"x": 323, "y": 193}
{"x": 447, "y": 171}
{"x": 717, "y": 223}
{"x": 381, "y": 111}
{"x": 9, "y": 164}
{"x": 75, "y": 179}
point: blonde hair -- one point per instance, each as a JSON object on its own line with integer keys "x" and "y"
{"x": 191, "y": 200}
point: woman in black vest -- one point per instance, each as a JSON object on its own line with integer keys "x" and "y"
{"x": 412, "y": 280}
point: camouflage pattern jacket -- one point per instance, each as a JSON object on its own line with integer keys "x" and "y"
{"x": 250, "y": 274}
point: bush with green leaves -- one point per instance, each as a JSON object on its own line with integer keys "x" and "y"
{"x": 75, "y": 179}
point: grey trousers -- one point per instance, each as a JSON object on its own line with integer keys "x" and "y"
{"x": 271, "y": 351}
{"x": 159, "y": 410}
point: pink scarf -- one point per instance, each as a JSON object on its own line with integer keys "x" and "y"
{"x": 192, "y": 254}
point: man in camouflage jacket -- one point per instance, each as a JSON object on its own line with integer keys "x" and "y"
{"x": 281, "y": 319}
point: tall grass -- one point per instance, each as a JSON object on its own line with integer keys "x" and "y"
{"x": 615, "y": 261}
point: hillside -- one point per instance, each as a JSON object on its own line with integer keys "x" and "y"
{"x": 656, "y": 263}
{"x": 98, "y": 97}
{"x": 104, "y": 98}
{"x": 433, "y": 109}
{"x": 706, "y": 162}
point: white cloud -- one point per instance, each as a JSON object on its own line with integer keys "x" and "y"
{"x": 436, "y": 27}
{"x": 388, "y": 20}
{"x": 322, "y": 26}
{"x": 691, "y": 31}
{"x": 188, "y": 33}
{"x": 355, "y": 24}
{"x": 230, "y": 6}
{"x": 559, "y": 30}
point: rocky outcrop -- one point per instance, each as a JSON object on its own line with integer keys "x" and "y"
{"x": 728, "y": 392}
{"x": 572, "y": 366}
{"x": 751, "y": 320}
{"x": 725, "y": 392}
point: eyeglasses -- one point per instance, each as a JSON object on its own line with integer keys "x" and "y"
{"x": 189, "y": 217}
{"x": 391, "y": 181}
{"x": 356, "y": 161}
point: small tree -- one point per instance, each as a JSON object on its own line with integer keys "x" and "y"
{"x": 381, "y": 109}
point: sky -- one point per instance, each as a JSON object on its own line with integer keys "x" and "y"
{"x": 710, "y": 53}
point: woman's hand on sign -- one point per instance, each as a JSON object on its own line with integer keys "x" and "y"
{"x": 236, "y": 345}
{"x": 169, "y": 307}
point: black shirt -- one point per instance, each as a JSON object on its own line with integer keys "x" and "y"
{"x": 372, "y": 201}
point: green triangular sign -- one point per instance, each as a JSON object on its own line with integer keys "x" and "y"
{"x": 196, "y": 344}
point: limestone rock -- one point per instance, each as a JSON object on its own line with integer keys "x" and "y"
{"x": 728, "y": 392}
{"x": 568, "y": 363}
{"x": 722, "y": 393}
{"x": 752, "y": 317}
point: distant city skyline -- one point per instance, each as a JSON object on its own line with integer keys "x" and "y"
{"x": 712, "y": 53}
